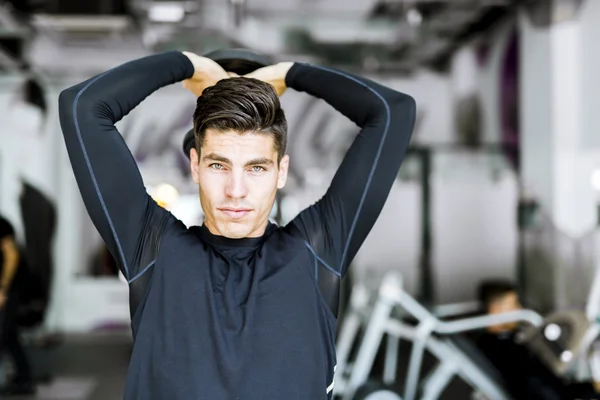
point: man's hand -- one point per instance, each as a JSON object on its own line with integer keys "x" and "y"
{"x": 207, "y": 73}
{"x": 273, "y": 74}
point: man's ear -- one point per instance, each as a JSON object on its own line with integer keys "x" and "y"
{"x": 194, "y": 165}
{"x": 284, "y": 165}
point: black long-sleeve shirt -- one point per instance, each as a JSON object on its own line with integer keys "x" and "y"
{"x": 217, "y": 318}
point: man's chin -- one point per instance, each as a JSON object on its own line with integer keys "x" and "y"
{"x": 235, "y": 230}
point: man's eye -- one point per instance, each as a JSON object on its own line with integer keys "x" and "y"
{"x": 216, "y": 166}
{"x": 257, "y": 168}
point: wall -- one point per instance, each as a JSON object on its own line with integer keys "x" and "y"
{"x": 474, "y": 216}
{"x": 589, "y": 144}
{"x": 588, "y": 15}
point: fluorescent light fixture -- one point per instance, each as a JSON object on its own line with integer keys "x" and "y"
{"x": 166, "y": 12}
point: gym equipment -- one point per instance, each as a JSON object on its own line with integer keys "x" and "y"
{"x": 583, "y": 363}
{"x": 457, "y": 358}
{"x": 240, "y": 61}
{"x": 558, "y": 339}
{"x": 376, "y": 391}
{"x": 568, "y": 341}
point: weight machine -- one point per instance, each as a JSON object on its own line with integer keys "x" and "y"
{"x": 565, "y": 340}
{"x": 381, "y": 312}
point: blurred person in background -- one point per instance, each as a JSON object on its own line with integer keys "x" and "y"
{"x": 526, "y": 376}
{"x": 11, "y": 280}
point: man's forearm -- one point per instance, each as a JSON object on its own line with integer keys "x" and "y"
{"x": 122, "y": 89}
{"x": 361, "y": 100}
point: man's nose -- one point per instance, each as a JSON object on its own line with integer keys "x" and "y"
{"x": 237, "y": 187}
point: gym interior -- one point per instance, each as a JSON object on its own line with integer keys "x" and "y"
{"x": 500, "y": 186}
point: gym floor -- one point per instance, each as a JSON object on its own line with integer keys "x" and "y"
{"x": 82, "y": 368}
{"x": 93, "y": 367}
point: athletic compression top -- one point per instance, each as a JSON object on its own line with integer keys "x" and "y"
{"x": 215, "y": 318}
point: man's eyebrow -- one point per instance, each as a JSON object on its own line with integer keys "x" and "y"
{"x": 225, "y": 160}
{"x": 216, "y": 157}
{"x": 259, "y": 161}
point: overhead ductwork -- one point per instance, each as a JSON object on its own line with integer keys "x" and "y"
{"x": 378, "y": 36}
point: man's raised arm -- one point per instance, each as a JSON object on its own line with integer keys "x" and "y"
{"x": 336, "y": 226}
{"x": 106, "y": 172}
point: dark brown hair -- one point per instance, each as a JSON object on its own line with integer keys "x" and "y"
{"x": 492, "y": 290}
{"x": 241, "y": 105}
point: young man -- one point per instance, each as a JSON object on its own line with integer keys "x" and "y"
{"x": 525, "y": 375}
{"x": 11, "y": 277}
{"x": 237, "y": 308}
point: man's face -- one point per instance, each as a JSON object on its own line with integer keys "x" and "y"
{"x": 238, "y": 177}
{"x": 506, "y": 303}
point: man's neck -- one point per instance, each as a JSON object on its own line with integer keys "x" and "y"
{"x": 258, "y": 232}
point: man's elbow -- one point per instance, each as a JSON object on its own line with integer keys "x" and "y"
{"x": 404, "y": 101}
{"x": 66, "y": 98}
{"x": 68, "y": 103}
{"x": 403, "y": 106}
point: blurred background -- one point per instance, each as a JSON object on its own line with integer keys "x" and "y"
{"x": 502, "y": 180}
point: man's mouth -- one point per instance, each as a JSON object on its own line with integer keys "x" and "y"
{"x": 235, "y": 213}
